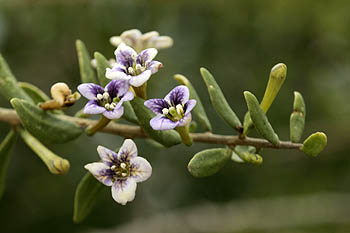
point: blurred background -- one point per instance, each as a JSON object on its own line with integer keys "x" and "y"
{"x": 239, "y": 42}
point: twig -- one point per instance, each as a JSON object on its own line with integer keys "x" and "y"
{"x": 10, "y": 116}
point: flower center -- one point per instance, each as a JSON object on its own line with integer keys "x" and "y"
{"x": 121, "y": 171}
{"x": 105, "y": 101}
{"x": 174, "y": 113}
{"x": 136, "y": 69}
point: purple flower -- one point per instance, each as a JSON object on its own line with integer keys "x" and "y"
{"x": 172, "y": 111}
{"x": 122, "y": 171}
{"x": 136, "y": 68}
{"x": 107, "y": 101}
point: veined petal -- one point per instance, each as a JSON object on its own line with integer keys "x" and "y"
{"x": 125, "y": 55}
{"x": 101, "y": 172}
{"x": 190, "y": 105}
{"x": 160, "y": 122}
{"x": 92, "y": 107}
{"x": 140, "y": 169}
{"x": 179, "y": 95}
{"x": 116, "y": 113}
{"x": 185, "y": 120}
{"x": 156, "y": 105}
{"x": 117, "y": 88}
{"x": 123, "y": 190}
{"x": 127, "y": 97}
{"x": 90, "y": 90}
{"x": 140, "y": 79}
{"x": 154, "y": 66}
{"x": 146, "y": 56}
{"x": 107, "y": 156}
{"x": 127, "y": 151}
{"x": 116, "y": 74}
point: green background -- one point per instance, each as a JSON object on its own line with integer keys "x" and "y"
{"x": 239, "y": 42}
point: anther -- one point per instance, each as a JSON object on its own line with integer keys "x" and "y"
{"x": 106, "y": 95}
{"x": 130, "y": 70}
{"x": 99, "y": 96}
{"x": 123, "y": 165}
{"x": 113, "y": 167}
{"x": 179, "y": 109}
{"x": 124, "y": 174}
{"x": 107, "y": 106}
{"x": 165, "y": 111}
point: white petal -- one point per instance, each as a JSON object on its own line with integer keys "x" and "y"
{"x": 115, "y": 40}
{"x": 141, "y": 169}
{"x": 115, "y": 113}
{"x": 101, "y": 172}
{"x": 131, "y": 37}
{"x": 116, "y": 74}
{"x": 124, "y": 190}
{"x": 108, "y": 156}
{"x": 163, "y": 42}
{"x": 149, "y": 35}
{"x": 128, "y": 149}
{"x": 127, "y": 97}
{"x": 140, "y": 79}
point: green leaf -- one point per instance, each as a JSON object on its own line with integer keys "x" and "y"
{"x": 297, "y": 118}
{"x": 129, "y": 113}
{"x": 167, "y": 138}
{"x": 314, "y": 144}
{"x": 259, "y": 119}
{"x": 208, "y": 162}
{"x": 101, "y": 65}
{"x": 8, "y": 83}
{"x": 46, "y": 126}
{"x": 54, "y": 163}
{"x": 87, "y": 73}
{"x": 198, "y": 111}
{"x": 85, "y": 197}
{"x": 247, "y": 154}
{"x": 219, "y": 102}
{"x": 5, "y": 153}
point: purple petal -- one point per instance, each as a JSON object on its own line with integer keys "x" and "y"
{"x": 107, "y": 156}
{"x": 189, "y": 105}
{"x": 123, "y": 190}
{"x": 179, "y": 95}
{"x": 154, "y": 66}
{"x": 116, "y": 113}
{"x": 140, "y": 79}
{"x": 116, "y": 74}
{"x": 117, "y": 88}
{"x": 127, "y": 151}
{"x": 101, "y": 172}
{"x": 156, "y": 105}
{"x": 140, "y": 169}
{"x": 160, "y": 122}
{"x": 92, "y": 107}
{"x": 127, "y": 97}
{"x": 146, "y": 56}
{"x": 185, "y": 120}
{"x": 90, "y": 90}
{"x": 125, "y": 55}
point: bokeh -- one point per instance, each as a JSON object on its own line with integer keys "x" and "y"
{"x": 239, "y": 42}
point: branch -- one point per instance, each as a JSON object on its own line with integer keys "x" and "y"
{"x": 10, "y": 116}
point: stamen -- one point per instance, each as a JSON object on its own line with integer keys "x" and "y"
{"x": 106, "y": 95}
{"x": 124, "y": 174}
{"x": 179, "y": 109}
{"x": 113, "y": 105}
{"x": 131, "y": 70}
{"x": 172, "y": 111}
{"x": 138, "y": 66}
{"x": 165, "y": 111}
{"x": 99, "y": 96}
{"x": 123, "y": 165}
{"x": 113, "y": 167}
{"x": 107, "y": 106}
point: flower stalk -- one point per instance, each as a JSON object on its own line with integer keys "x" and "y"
{"x": 185, "y": 135}
{"x": 92, "y": 129}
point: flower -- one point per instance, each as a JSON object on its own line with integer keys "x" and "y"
{"x": 172, "y": 111}
{"x": 107, "y": 101}
{"x": 136, "y": 68}
{"x": 122, "y": 171}
{"x": 139, "y": 41}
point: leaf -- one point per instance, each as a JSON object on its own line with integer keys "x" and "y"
{"x": 167, "y": 138}
{"x": 101, "y": 65}
{"x": 247, "y": 154}
{"x": 54, "y": 163}
{"x": 129, "y": 113}
{"x": 314, "y": 144}
{"x": 219, "y": 102}
{"x": 259, "y": 119}
{"x": 8, "y": 83}
{"x": 198, "y": 110}
{"x": 5, "y": 153}
{"x": 297, "y": 118}
{"x": 208, "y": 162}
{"x": 87, "y": 73}
{"x": 46, "y": 126}
{"x": 85, "y": 197}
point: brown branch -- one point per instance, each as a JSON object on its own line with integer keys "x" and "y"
{"x": 10, "y": 116}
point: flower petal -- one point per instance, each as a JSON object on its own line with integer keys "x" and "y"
{"x": 125, "y": 55}
{"x": 179, "y": 95}
{"x": 149, "y": 36}
{"x": 127, "y": 97}
{"x": 127, "y": 151}
{"x": 92, "y": 107}
{"x": 190, "y": 105}
{"x": 185, "y": 120}
{"x": 160, "y": 122}
{"x": 115, "y": 40}
{"x": 116, "y": 74}
{"x": 140, "y": 169}
{"x": 146, "y": 56}
{"x": 131, "y": 37}
{"x": 123, "y": 190}
{"x": 154, "y": 66}
{"x": 156, "y": 105}
{"x": 140, "y": 79}
{"x": 162, "y": 42}
{"x": 107, "y": 156}
{"x": 116, "y": 113}
{"x": 101, "y": 172}
{"x": 90, "y": 90}
{"x": 117, "y": 88}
